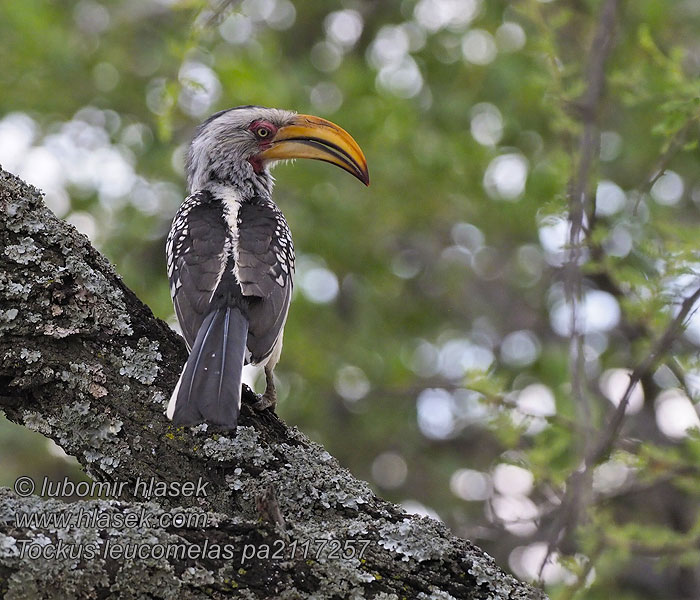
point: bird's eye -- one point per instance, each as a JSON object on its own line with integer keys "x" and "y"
{"x": 262, "y": 132}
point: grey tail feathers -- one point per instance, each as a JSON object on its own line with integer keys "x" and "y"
{"x": 209, "y": 388}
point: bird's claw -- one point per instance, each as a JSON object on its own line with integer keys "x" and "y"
{"x": 265, "y": 401}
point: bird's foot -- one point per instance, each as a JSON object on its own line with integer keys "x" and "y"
{"x": 269, "y": 398}
{"x": 266, "y": 400}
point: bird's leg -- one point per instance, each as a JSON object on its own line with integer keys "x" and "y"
{"x": 269, "y": 398}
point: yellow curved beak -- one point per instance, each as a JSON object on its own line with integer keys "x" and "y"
{"x": 312, "y": 137}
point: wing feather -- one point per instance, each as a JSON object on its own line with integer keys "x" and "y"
{"x": 198, "y": 247}
{"x": 265, "y": 265}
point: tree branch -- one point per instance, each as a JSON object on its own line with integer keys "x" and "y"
{"x": 85, "y": 363}
{"x": 644, "y": 368}
{"x": 582, "y": 206}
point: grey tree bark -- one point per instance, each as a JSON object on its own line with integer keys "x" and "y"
{"x": 269, "y": 514}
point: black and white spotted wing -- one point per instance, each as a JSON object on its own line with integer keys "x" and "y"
{"x": 197, "y": 251}
{"x": 265, "y": 266}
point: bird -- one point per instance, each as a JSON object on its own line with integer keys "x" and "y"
{"x": 230, "y": 254}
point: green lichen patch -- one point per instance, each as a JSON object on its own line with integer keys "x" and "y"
{"x": 24, "y": 252}
{"x": 90, "y": 435}
{"x": 30, "y": 356}
{"x": 36, "y": 422}
{"x": 421, "y": 539}
{"x": 141, "y": 363}
{"x": 14, "y": 290}
{"x": 7, "y": 316}
{"x": 489, "y": 576}
{"x": 244, "y": 448}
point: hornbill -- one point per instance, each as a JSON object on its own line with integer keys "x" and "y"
{"x": 230, "y": 254}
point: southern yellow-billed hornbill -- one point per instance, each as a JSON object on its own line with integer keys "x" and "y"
{"x": 230, "y": 253}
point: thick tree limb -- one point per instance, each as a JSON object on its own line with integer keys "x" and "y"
{"x": 85, "y": 363}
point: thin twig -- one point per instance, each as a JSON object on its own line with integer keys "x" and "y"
{"x": 637, "y": 488}
{"x": 664, "y": 160}
{"x": 216, "y": 14}
{"x": 662, "y": 345}
{"x": 680, "y": 376}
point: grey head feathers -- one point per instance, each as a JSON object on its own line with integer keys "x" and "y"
{"x": 223, "y": 144}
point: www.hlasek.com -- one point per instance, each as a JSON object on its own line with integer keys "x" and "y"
{"x": 94, "y": 518}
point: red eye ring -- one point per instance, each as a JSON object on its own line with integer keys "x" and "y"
{"x": 263, "y": 130}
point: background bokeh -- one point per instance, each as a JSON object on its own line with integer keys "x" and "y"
{"x": 429, "y": 340}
